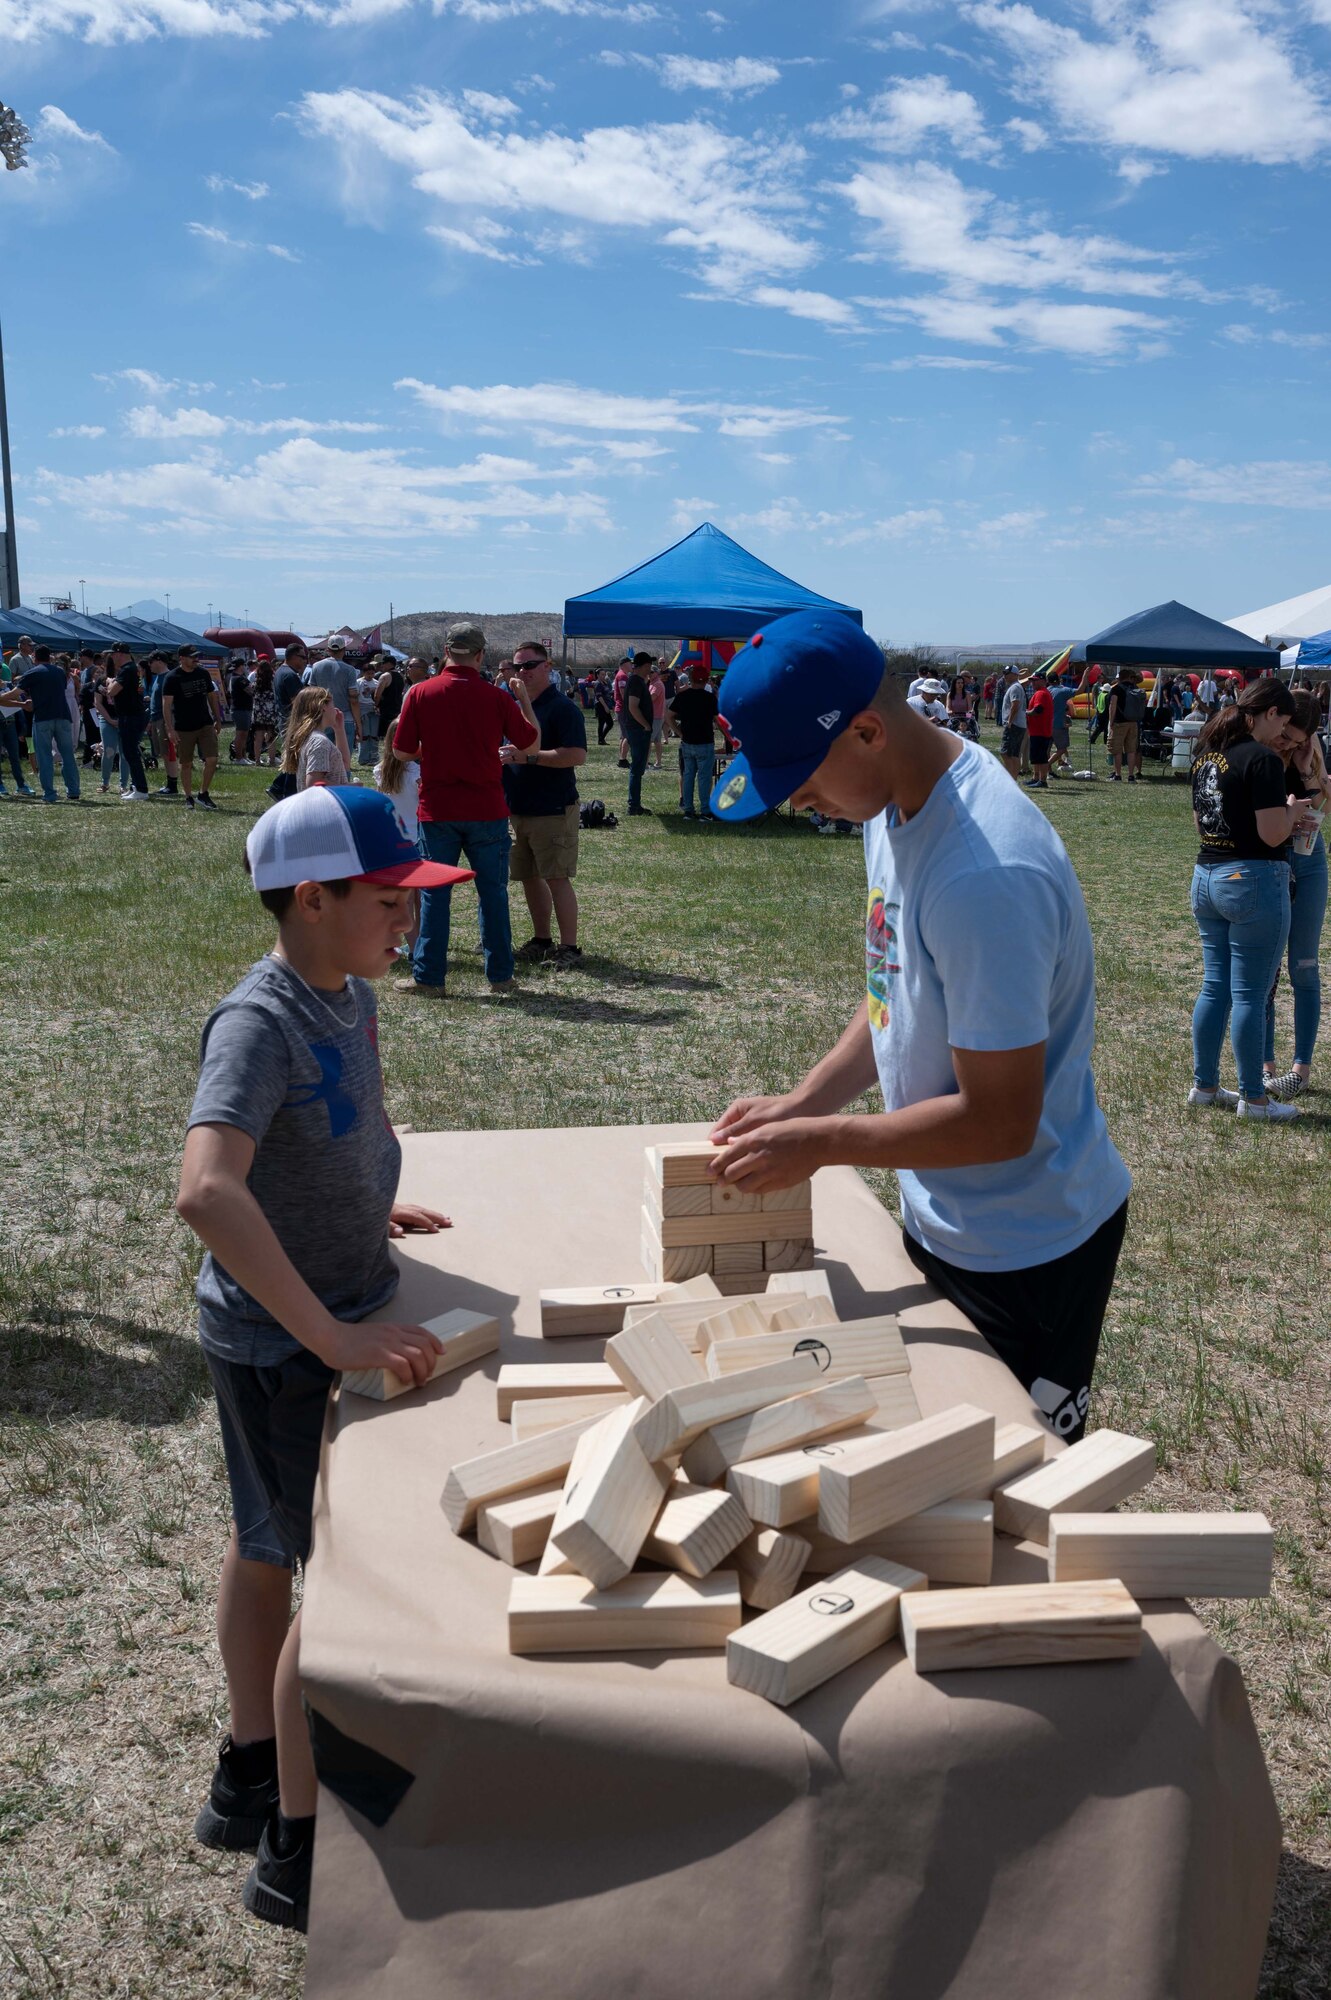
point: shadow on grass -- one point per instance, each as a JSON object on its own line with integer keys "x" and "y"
{"x": 70, "y": 1366}
{"x": 564, "y": 1007}
{"x": 598, "y": 966}
{"x": 1297, "y": 1965}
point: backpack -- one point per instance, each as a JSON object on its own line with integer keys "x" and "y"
{"x": 594, "y": 814}
{"x": 1132, "y": 705}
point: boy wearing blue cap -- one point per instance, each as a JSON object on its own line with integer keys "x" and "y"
{"x": 290, "y": 1178}
{"x": 979, "y": 1010}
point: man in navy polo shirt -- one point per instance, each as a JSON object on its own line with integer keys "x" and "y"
{"x": 43, "y": 688}
{"x": 979, "y": 1010}
{"x": 542, "y": 793}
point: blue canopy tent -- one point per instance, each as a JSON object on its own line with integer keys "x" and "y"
{"x": 1315, "y": 653}
{"x": 1173, "y": 635}
{"x": 704, "y": 587}
{"x": 167, "y": 638}
{"x": 36, "y": 625}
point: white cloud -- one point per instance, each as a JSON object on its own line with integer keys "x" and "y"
{"x": 734, "y": 76}
{"x": 1090, "y": 332}
{"x": 251, "y": 190}
{"x": 153, "y": 384}
{"x": 930, "y": 221}
{"x": 1208, "y": 79}
{"x": 310, "y": 490}
{"x": 691, "y": 186}
{"x": 1251, "y": 336}
{"x": 281, "y": 250}
{"x": 565, "y": 406}
{"x": 147, "y": 421}
{"x": 633, "y": 14}
{"x": 819, "y": 306}
{"x": 1032, "y": 138}
{"x": 481, "y": 240}
{"x": 1274, "y": 482}
{"x": 489, "y": 106}
{"x": 53, "y": 123}
{"x": 1134, "y": 171}
{"x": 108, "y": 21}
{"x": 910, "y": 112}
{"x": 773, "y": 457}
{"x": 211, "y": 234}
{"x": 963, "y": 362}
{"x": 896, "y": 527}
{"x": 80, "y": 431}
{"x": 688, "y": 513}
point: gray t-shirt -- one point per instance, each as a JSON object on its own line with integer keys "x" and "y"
{"x": 340, "y": 678}
{"x": 298, "y": 1071}
{"x": 1014, "y": 707}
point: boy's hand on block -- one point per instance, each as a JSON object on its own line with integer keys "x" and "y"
{"x": 407, "y": 1217}
{"x": 409, "y": 1351}
{"x": 745, "y": 1114}
{"x": 765, "y": 1157}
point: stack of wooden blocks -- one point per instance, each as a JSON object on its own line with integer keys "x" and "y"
{"x": 693, "y": 1224}
{"x": 763, "y": 1453}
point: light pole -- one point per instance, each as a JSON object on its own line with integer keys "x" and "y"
{"x": 9, "y": 590}
{"x": 210, "y": 613}
{"x": 167, "y": 595}
{"x": 83, "y": 596}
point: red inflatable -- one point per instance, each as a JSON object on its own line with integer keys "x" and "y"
{"x": 251, "y": 640}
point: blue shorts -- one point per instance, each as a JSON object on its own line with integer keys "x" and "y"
{"x": 272, "y": 1422}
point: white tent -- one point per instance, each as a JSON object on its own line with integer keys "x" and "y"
{"x": 1296, "y": 618}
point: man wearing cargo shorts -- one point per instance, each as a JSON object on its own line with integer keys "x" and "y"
{"x": 192, "y": 713}
{"x": 542, "y": 794}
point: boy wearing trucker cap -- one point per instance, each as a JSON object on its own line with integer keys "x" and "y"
{"x": 979, "y": 1010}
{"x": 290, "y": 1178}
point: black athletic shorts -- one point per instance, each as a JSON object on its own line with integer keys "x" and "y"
{"x": 272, "y": 1421}
{"x": 1040, "y": 749}
{"x": 1044, "y": 1321}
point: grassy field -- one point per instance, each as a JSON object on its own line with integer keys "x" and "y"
{"x": 717, "y": 961}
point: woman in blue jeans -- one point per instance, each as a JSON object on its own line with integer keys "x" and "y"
{"x": 1240, "y": 890}
{"x": 1308, "y": 776}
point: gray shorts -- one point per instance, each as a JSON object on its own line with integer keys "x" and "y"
{"x": 272, "y": 1422}
{"x": 658, "y": 729}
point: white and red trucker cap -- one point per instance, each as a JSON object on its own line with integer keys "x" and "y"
{"x": 340, "y": 833}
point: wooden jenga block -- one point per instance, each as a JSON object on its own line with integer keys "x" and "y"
{"x": 782, "y": 1488}
{"x": 553, "y": 1560}
{"x": 820, "y": 1632}
{"x": 769, "y": 1564}
{"x": 733, "y": 1284}
{"x": 683, "y": 1163}
{"x": 1165, "y": 1555}
{"x": 676, "y": 1201}
{"x": 746, "y": 1318}
{"x": 797, "y": 1197}
{"x": 728, "y": 1200}
{"x": 608, "y": 1513}
{"x": 733, "y": 1227}
{"x": 696, "y": 1529}
{"x": 686, "y": 1315}
{"x": 516, "y": 1530}
{"x": 851, "y": 1347}
{"x": 520, "y": 1381}
{"x": 538, "y": 1414}
{"x": 677, "y": 1261}
{"x": 650, "y": 1359}
{"x": 817, "y": 1413}
{"x": 1021, "y": 1625}
{"x": 1089, "y": 1477}
{"x": 897, "y": 1406}
{"x": 649, "y": 1612}
{"x": 952, "y": 1543}
{"x": 791, "y": 1253}
{"x": 575, "y": 1310}
{"x": 884, "y": 1479}
{"x": 1017, "y": 1448}
{"x": 680, "y": 1290}
{"x": 466, "y": 1336}
{"x": 514, "y": 1467}
{"x": 813, "y": 1285}
{"x": 670, "y": 1425}
{"x": 733, "y": 1260}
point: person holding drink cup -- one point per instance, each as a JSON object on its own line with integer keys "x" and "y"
{"x": 1307, "y": 776}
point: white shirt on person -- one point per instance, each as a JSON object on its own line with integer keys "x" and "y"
{"x": 927, "y": 705}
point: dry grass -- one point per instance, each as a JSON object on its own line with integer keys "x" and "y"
{"x": 716, "y": 962}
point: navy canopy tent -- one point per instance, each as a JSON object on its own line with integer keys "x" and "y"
{"x": 36, "y": 625}
{"x": 705, "y": 587}
{"x": 165, "y": 638}
{"x": 1173, "y": 635}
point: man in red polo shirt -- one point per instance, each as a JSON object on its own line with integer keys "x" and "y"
{"x": 453, "y": 725}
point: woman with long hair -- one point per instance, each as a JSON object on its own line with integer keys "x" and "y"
{"x": 124, "y": 697}
{"x": 264, "y": 719}
{"x": 1245, "y": 818}
{"x": 308, "y": 755}
{"x": 1308, "y": 777}
{"x": 399, "y": 779}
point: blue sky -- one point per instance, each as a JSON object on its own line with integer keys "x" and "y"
{"x": 1001, "y": 320}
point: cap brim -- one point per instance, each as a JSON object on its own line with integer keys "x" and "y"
{"x": 743, "y": 793}
{"x": 419, "y": 875}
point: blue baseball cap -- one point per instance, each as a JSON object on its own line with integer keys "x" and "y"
{"x": 340, "y": 833}
{"x": 786, "y": 698}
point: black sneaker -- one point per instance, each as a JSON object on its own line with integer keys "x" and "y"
{"x": 235, "y": 1815}
{"x": 568, "y": 954}
{"x": 535, "y": 950}
{"x": 640, "y": 812}
{"x": 209, "y": 805}
{"x": 167, "y": 791}
{"x": 189, "y": 801}
{"x": 277, "y": 1888}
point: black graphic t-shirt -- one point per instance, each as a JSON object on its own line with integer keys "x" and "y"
{"x": 1229, "y": 788}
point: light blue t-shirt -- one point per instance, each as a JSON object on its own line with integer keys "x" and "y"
{"x": 977, "y": 938}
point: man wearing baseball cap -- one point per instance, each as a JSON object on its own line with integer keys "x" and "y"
{"x": 290, "y": 1178}
{"x": 979, "y": 1010}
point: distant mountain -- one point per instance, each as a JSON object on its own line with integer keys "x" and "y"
{"x": 193, "y": 621}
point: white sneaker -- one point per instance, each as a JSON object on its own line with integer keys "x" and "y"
{"x": 1275, "y": 1114}
{"x": 1222, "y": 1100}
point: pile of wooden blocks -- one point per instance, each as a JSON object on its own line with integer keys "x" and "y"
{"x": 694, "y": 1224}
{"x": 763, "y": 1453}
